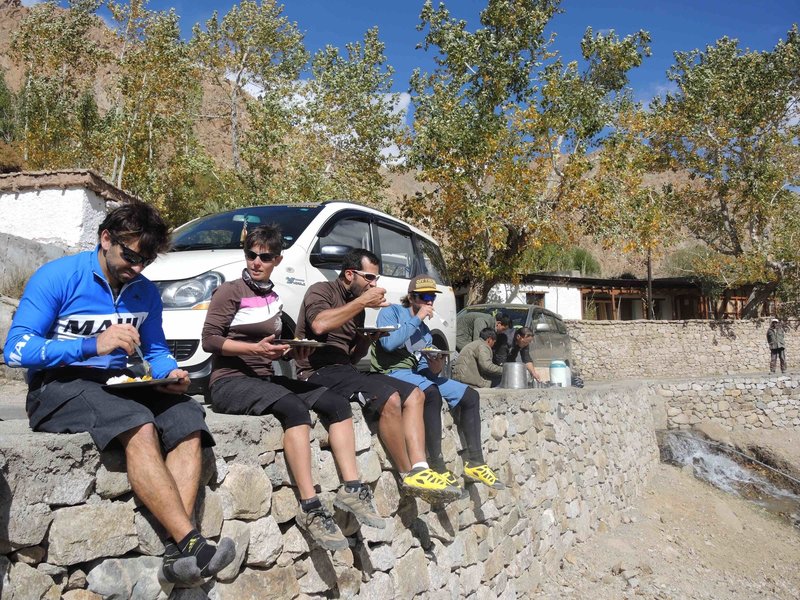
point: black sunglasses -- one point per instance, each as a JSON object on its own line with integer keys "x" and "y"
{"x": 264, "y": 256}
{"x": 130, "y": 256}
{"x": 426, "y": 296}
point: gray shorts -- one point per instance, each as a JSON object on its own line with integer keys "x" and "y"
{"x": 64, "y": 405}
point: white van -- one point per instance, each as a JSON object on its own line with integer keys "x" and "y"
{"x": 208, "y": 251}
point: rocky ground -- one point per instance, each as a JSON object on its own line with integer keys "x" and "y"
{"x": 688, "y": 540}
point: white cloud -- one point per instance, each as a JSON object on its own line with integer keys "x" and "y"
{"x": 655, "y": 90}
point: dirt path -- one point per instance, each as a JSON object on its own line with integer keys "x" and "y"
{"x": 685, "y": 540}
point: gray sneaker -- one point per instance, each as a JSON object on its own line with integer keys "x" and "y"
{"x": 319, "y": 523}
{"x": 361, "y": 505}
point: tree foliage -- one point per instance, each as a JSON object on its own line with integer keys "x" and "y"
{"x": 733, "y": 124}
{"x": 60, "y": 60}
{"x": 502, "y": 131}
{"x": 253, "y": 46}
{"x": 346, "y": 120}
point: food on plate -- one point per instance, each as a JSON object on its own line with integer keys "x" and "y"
{"x": 126, "y": 379}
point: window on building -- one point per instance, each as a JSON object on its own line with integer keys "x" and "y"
{"x": 535, "y": 298}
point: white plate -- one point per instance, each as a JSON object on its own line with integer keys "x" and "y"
{"x": 136, "y": 384}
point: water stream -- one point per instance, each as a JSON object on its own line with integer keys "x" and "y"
{"x": 731, "y": 473}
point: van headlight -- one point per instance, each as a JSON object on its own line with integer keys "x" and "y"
{"x": 189, "y": 294}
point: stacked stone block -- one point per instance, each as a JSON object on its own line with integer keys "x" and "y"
{"x": 609, "y": 350}
{"x": 733, "y": 402}
{"x": 573, "y": 460}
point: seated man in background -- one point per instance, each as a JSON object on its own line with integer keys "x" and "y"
{"x": 519, "y": 351}
{"x": 474, "y": 364}
{"x": 78, "y": 321}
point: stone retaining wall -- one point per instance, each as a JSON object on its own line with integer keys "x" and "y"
{"x": 733, "y": 402}
{"x": 574, "y": 461}
{"x": 604, "y": 350}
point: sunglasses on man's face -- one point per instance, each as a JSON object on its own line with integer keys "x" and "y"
{"x": 426, "y": 296}
{"x": 131, "y": 257}
{"x": 264, "y": 256}
{"x": 369, "y": 277}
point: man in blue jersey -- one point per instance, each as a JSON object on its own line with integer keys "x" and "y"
{"x": 78, "y": 321}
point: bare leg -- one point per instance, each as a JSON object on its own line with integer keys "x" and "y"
{"x": 414, "y": 426}
{"x": 390, "y": 428}
{"x": 297, "y": 449}
{"x": 152, "y": 482}
{"x": 343, "y": 443}
{"x": 184, "y": 463}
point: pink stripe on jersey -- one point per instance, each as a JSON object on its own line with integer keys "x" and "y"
{"x": 257, "y": 301}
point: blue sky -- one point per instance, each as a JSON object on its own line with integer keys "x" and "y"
{"x": 673, "y": 25}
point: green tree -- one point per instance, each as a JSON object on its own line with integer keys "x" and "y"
{"x": 60, "y": 59}
{"x": 156, "y": 92}
{"x": 8, "y": 117}
{"x": 346, "y": 120}
{"x": 733, "y": 126}
{"x": 254, "y": 46}
{"x": 501, "y": 131}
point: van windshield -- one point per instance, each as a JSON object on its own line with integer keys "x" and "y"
{"x": 226, "y": 231}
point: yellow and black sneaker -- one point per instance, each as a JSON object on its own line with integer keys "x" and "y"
{"x": 483, "y": 474}
{"x": 429, "y": 485}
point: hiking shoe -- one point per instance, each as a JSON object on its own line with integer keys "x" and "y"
{"x": 449, "y": 478}
{"x": 483, "y": 474}
{"x": 319, "y": 523}
{"x": 430, "y": 486}
{"x": 360, "y": 504}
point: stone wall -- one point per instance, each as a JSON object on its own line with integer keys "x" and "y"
{"x": 574, "y": 461}
{"x": 604, "y": 350}
{"x": 733, "y": 402}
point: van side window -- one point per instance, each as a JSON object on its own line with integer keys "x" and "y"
{"x": 395, "y": 251}
{"x": 430, "y": 261}
{"x": 352, "y": 233}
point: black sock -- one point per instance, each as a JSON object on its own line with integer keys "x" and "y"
{"x": 310, "y": 504}
{"x": 171, "y": 549}
{"x": 352, "y": 486}
{"x": 196, "y": 545}
{"x": 432, "y": 417}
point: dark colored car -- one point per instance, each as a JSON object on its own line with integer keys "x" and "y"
{"x": 550, "y": 338}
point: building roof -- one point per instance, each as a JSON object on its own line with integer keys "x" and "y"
{"x": 596, "y": 282}
{"x": 63, "y": 179}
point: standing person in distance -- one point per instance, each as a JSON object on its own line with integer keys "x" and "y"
{"x": 408, "y": 355}
{"x": 241, "y": 328}
{"x": 79, "y": 319}
{"x": 776, "y": 338}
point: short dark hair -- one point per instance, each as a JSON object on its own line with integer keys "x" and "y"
{"x": 353, "y": 260}
{"x": 487, "y": 333}
{"x": 137, "y": 221}
{"x": 503, "y": 319}
{"x": 523, "y": 332}
{"x": 265, "y": 235}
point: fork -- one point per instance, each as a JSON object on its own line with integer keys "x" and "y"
{"x": 145, "y": 364}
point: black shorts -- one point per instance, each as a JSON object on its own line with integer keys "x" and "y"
{"x": 287, "y": 399}
{"x": 79, "y": 405}
{"x": 375, "y": 388}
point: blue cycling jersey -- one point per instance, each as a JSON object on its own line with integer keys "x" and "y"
{"x": 67, "y": 303}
